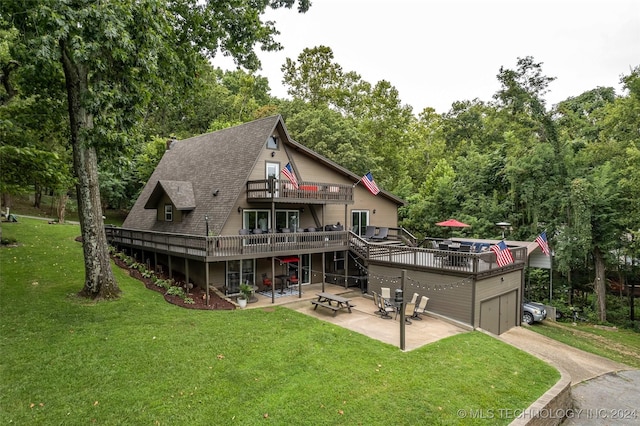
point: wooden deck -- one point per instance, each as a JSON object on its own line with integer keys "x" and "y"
{"x": 233, "y": 247}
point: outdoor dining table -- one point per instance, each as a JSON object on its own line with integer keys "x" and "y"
{"x": 283, "y": 279}
{"x": 327, "y": 300}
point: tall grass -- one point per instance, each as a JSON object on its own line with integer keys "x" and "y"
{"x": 140, "y": 360}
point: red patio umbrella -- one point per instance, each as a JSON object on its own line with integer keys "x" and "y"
{"x": 453, "y": 224}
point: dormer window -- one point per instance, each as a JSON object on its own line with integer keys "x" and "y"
{"x": 168, "y": 213}
{"x": 272, "y": 142}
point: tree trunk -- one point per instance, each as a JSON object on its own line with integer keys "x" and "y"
{"x": 37, "y": 196}
{"x": 570, "y": 287}
{"x": 600, "y": 285}
{"x": 7, "y": 202}
{"x": 62, "y": 207}
{"x": 99, "y": 282}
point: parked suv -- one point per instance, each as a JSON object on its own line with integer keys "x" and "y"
{"x": 533, "y": 312}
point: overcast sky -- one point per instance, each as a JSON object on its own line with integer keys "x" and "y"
{"x": 436, "y": 52}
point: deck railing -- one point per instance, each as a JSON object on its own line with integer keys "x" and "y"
{"x": 229, "y": 246}
{"x": 283, "y": 190}
{"x": 226, "y": 247}
{"x": 471, "y": 263}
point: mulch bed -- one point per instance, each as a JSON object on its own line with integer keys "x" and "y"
{"x": 196, "y": 293}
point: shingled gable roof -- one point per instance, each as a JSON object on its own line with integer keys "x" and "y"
{"x": 180, "y": 194}
{"x": 218, "y": 162}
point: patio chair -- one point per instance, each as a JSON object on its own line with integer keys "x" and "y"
{"x": 385, "y": 293}
{"x": 420, "y": 309}
{"x": 369, "y": 232}
{"x": 386, "y": 308}
{"x": 414, "y": 299}
{"x": 381, "y": 235}
{"x": 266, "y": 281}
{"x": 376, "y": 302}
{"x": 409, "y": 309}
{"x": 293, "y": 280}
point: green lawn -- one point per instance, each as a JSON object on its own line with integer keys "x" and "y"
{"x": 617, "y": 344}
{"x": 23, "y": 205}
{"x": 142, "y": 361}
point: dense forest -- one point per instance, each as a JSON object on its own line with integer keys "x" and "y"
{"x": 571, "y": 169}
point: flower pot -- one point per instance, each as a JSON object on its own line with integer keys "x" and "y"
{"x": 242, "y": 303}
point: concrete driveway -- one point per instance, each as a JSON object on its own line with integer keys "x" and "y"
{"x": 604, "y": 392}
{"x": 580, "y": 365}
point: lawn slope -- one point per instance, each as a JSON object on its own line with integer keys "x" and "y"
{"x": 140, "y": 360}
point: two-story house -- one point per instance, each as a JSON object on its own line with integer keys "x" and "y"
{"x": 248, "y": 202}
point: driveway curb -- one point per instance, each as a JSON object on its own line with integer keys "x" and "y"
{"x": 575, "y": 366}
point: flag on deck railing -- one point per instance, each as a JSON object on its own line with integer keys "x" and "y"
{"x": 543, "y": 243}
{"x": 288, "y": 172}
{"x": 503, "y": 254}
{"x": 370, "y": 183}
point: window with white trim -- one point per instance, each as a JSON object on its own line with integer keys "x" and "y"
{"x": 168, "y": 213}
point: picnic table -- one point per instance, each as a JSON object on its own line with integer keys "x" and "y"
{"x": 327, "y": 300}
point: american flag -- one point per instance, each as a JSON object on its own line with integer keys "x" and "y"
{"x": 542, "y": 242}
{"x": 288, "y": 172}
{"x": 370, "y": 183}
{"x": 503, "y": 254}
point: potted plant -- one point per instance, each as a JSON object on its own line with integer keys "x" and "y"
{"x": 245, "y": 294}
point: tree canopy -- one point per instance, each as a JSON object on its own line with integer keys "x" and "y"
{"x": 100, "y": 87}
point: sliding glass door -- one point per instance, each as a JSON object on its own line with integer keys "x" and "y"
{"x": 359, "y": 221}
{"x": 240, "y": 271}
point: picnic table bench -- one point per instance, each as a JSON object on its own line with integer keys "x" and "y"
{"x": 327, "y": 300}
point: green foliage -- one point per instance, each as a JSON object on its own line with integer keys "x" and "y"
{"x": 176, "y": 291}
{"x": 245, "y": 291}
{"x": 166, "y": 284}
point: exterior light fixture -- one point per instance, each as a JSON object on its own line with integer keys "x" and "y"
{"x": 206, "y": 224}
{"x": 503, "y": 225}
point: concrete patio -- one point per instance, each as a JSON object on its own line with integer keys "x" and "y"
{"x": 363, "y": 319}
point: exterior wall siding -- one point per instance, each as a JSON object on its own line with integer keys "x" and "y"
{"x": 449, "y": 296}
{"x": 314, "y": 171}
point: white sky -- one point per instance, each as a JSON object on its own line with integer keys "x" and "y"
{"x": 436, "y": 52}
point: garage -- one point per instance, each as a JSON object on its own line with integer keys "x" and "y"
{"x": 499, "y": 313}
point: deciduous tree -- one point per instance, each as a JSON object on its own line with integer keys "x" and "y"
{"x": 112, "y": 55}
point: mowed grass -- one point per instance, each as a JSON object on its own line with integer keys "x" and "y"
{"x": 142, "y": 361}
{"x": 619, "y": 345}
